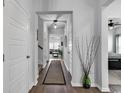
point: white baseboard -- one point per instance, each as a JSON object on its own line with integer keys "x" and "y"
{"x": 36, "y": 81}
{"x": 44, "y": 65}
{"x": 80, "y": 84}
{"x": 31, "y": 85}
{"x": 92, "y": 85}
{"x": 76, "y": 84}
{"x": 66, "y": 67}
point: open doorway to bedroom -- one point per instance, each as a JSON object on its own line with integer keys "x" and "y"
{"x": 114, "y": 52}
{"x": 111, "y": 27}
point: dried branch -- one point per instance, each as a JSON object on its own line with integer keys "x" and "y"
{"x": 91, "y": 52}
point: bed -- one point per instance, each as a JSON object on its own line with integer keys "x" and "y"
{"x": 114, "y": 61}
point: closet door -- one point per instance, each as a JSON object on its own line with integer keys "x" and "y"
{"x": 15, "y": 40}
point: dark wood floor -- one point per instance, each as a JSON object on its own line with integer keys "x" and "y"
{"x": 40, "y": 88}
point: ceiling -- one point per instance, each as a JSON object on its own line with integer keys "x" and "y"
{"x": 58, "y": 33}
{"x": 61, "y": 19}
{"x": 51, "y": 17}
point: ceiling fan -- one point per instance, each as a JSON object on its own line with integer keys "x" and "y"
{"x": 112, "y": 23}
{"x": 56, "y": 21}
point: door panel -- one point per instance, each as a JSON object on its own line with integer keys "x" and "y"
{"x": 15, "y": 47}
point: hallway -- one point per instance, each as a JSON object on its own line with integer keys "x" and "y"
{"x": 57, "y": 88}
{"x": 34, "y": 31}
{"x": 54, "y": 75}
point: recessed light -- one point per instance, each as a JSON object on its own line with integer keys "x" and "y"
{"x": 55, "y": 26}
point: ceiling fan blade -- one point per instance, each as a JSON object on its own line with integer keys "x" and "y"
{"x": 117, "y": 24}
{"x": 57, "y": 20}
{"x": 61, "y": 20}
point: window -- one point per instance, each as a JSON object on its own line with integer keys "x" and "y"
{"x": 118, "y": 44}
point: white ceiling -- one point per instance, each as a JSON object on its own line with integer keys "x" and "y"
{"x": 62, "y": 18}
{"x": 55, "y": 34}
{"x": 51, "y": 17}
{"x": 48, "y": 16}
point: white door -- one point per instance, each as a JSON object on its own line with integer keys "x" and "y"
{"x": 15, "y": 48}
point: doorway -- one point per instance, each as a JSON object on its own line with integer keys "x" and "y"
{"x": 114, "y": 51}
{"x": 56, "y": 43}
{"x": 55, "y": 32}
{"x": 111, "y": 28}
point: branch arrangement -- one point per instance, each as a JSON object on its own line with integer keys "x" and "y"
{"x": 87, "y": 55}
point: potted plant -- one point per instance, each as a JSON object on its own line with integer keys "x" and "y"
{"x": 86, "y": 56}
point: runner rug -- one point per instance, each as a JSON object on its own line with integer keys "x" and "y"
{"x": 54, "y": 74}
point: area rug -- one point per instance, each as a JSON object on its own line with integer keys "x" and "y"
{"x": 54, "y": 75}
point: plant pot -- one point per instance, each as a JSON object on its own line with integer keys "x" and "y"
{"x": 86, "y": 86}
{"x": 86, "y": 82}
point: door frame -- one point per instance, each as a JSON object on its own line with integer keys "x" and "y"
{"x": 61, "y": 12}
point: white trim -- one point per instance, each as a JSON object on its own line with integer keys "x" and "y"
{"x": 76, "y": 84}
{"x": 35, "y": 83}
{"x": 30, "y": 86}
{"x": 67, "y": 67}
{"x": 44, "y": 65}
{"x": 54, "y": 12}
{"x": 80, "y": 84}
{"x": 93, "y": 84}
{"x": 102, "y": 89}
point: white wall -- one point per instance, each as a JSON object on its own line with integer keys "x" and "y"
{"x": 65, "y": 52}
{"x": 38, "y": 5}
{"x": 35, "y": 5}
{"x": 40, "y": 40}
{"x": 83, "y": 24}
{"x": 87, "y": 20}
{"x": 45, "y": 43}
{"x": 68, "y": 49}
